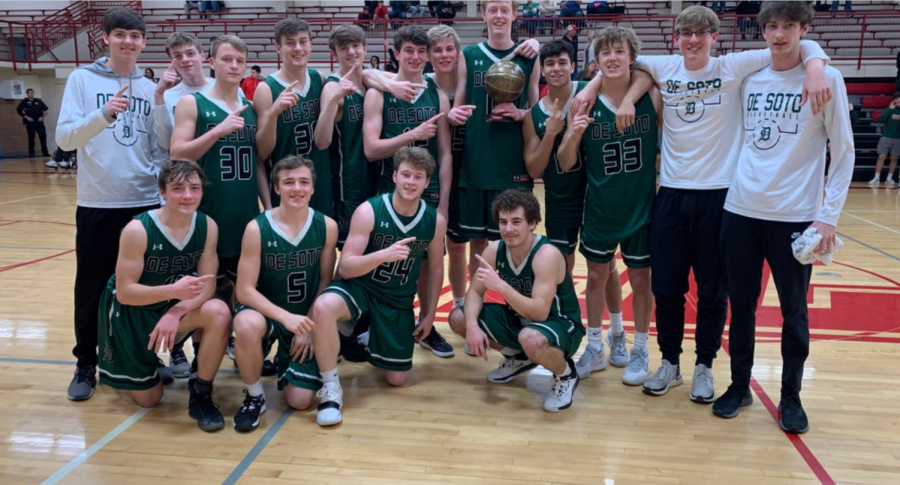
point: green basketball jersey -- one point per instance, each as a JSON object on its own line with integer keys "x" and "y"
{"x": 493, "y": 157}
{"x": 457, "y": 137}
{"x": 231, "y": 198}
{"x": 289, "y": 267}
{"x": 563, "y": 191}
{"x": 295, "y": 135}
{"x": 398, "y": 117}
{"x": 166, "y": 260}
{"x": 621, "y": 171}
{"x": 565, "y": 303}
{"x": 395, "y": 283}
{"x": 355, "y": 176}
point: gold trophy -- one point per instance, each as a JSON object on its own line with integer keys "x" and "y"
{"x": 504, "y": 82}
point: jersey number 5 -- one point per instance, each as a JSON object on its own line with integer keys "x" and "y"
{"x": 296, "y": 287}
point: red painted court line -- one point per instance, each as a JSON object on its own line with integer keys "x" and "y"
{"x": 26, "y": 263}
{"x": 9, "y": 223}
{"x": 45, "y": 222}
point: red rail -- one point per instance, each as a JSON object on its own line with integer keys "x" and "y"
{"x": 870, "y": 36}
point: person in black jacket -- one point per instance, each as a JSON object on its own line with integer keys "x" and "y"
{"x": 33, "y": 111}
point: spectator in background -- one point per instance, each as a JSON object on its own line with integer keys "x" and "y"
{"x": 572, "y": 9}
{"x": 897, "y": 81}
{"x": 446, "y": 11}
{"x": 381, "y": 12}
{"x": 530, "y": 11}
{"x": 889, "y": 144}
{"x": 208, "y": 7}
{"x": 589, "y": 72}
{"x": 33, "y": 111}
{"x": 188, "y": 6}
{"x": 398, "y": 9}
{"x": 572, "y": 38}
{"x": 548, "y": 9}
{"x": 375, "y": 63}
{"x": 392, "y": 65}
{"x": 149, "y": 74}
{"x": 249, "y": 84}
{"x": 370, "y": 6}
{"x": 847, "y": 7}
{"x": 416, "y": 9}
{"x": 589, "y": 50}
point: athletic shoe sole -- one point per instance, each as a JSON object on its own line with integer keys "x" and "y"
{"x": 569, "y": 404}
{"x": 703, "y": 399}
{"x": 664, "y": 390}
{"x": 81, "y": 399}
{"x": 438, "y": 353}
{"x": 635, "y": 382}
{"x": 214, "y": 427}
{"x": 254, "y": 425}
{"x": 513, "y": 376}
{"x": 789, "y": 430}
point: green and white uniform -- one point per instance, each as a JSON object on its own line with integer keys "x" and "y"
{"x": 621, "y": 171}
{"x": 386, "y": 293}
{"x": 562, "y": 328}
{"x": 563, "y": 191}
{"x": 295, "y": 135}
{"x": 124, "y": 330}
{"x": 232, "y": 197}
{"x": 289, "y": 278}
{"x": 457, "y": 141}
{"x": 398, "y": 117}
{"x": 354, "y": 175}
{"x": 493, "y": 152}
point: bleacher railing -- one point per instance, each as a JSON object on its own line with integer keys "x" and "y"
{"x": 869, "y": 36}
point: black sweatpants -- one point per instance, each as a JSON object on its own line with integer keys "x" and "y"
{"x": 96, "y": 251}
{"x": 746, "y": 243}
{"x": 684, "y": 236}
{"x": 41, "y": 130}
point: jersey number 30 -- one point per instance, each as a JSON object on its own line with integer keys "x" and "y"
{"x": 237, "y": 163}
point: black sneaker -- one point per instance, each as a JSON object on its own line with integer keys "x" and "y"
{"x": 166, "y": 376}
{"x": 268, "y": 368}
{"x": 202, "y": 408}
{"x": 437, "y": 345}
{"x": 82, "y": 386}
{"x": 352, "y": 350}
{"x": 793, "y": 417}
{"x": 247, "y": 418}
{"x": 729, "y": 404}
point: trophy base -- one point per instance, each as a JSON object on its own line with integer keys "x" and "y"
{"x": 498, "y": 119}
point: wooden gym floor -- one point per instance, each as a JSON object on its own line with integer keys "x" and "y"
{"x": 450, "y": 425}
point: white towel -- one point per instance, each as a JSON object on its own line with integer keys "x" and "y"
{"x": 803, "y": 247}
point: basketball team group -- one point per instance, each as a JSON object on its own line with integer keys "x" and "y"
{"x": 398, "y": 170}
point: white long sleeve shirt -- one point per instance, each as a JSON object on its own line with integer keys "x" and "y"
{"x": 781, "y": 171}
{"x": 118, "y": 158}
{"x": 702, "y": 130}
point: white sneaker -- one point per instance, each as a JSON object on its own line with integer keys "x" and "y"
{"x": 509, "y": 368}
{"x": 591, "y": 360}
{"x": 363, "y": 339}
{"x": 703, "y": 385}
{"x": 874, "y": 182}
{"x": 63, "y": 164}
{"x": 331, "y": 400}
{"x": 667, "y": 376}
{"x": 618, "y": 352}
{"x": 562, "y": 391}
{"x": 51, "y": 164}
{"x": 638, "y": 367}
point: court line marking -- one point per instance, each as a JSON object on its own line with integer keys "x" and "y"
{"x": 254, "y": 452}
{"x": 37, "y": 249}
{"x": 72, "y": 362}
{"x": 808, "y": 456}
{"x": 872, "y": 222}
{"x": 873, "y": 248}
{"x": 84, "y": 455}
{"x": 26, "y": 263}
{"x": 35, "y": 197}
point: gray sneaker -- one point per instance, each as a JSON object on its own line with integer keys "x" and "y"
{"x": 82, "y": 386}
{"x": 178, "y": 362}
{"x": 638, "y": 367}
{"x": 703, "y": 385}
{"x": 618, "y": 353}
{"x": 590, "y": 361}
{"x": 510, "y": 367}
{"x": 668, "y": 375}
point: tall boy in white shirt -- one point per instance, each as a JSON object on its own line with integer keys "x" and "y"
{"x": 777, "y": 193}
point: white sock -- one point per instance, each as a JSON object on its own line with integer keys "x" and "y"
{"x": 459, "y": 302}
{"x": 640, "y": 340}
{"x": 565, "y": 372}
{"x": 330, "y": 376}
{"x": 595, "y": 337}
{"x": 615, "y": 323}
{"x": 255, "y": 390}
{"x": 508, "y": 352}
